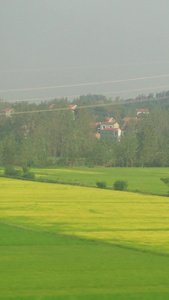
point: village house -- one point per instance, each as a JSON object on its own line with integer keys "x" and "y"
{"x": 73, "y": 107}
{"x": 110, "y": 119}
{"x": 142, "y": 111}
{"x": 108, "y": 129}
{"x": 51, "y": 106}
{"x": 7, "y": 112}
{"x": 108, "y": 125}
{"x": 110, "y": 133}
{"x": 127, "y": 119}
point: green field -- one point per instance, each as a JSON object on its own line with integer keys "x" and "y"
{"x": 41, "y": 266}
{"x": 71, "y": 242}
{"x": 146, "y": 180}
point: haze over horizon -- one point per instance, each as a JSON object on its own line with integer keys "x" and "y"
{"x": 63, "y": 48}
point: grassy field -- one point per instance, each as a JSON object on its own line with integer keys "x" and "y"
{"x": 146, "y": 180}
{"x": 68, "y": 242}
{"x": 36, "y": 265}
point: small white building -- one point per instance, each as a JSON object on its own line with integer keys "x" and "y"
{"x": 142, "y": 111}
{"x": 72, "y": 106}
{"x": 110, "y": 119}
{"x": 8, "y": 112}
{"x": 109, "y": 125}
{"x": 110, "y": 133}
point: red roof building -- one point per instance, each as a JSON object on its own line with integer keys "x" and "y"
{"x": 108, "y": 123}
{"x": 109, "y": 119}
{"x": 8, "y": 111}
{"x": 110, "y": 132}
{"x": 142, "y": 111}
{"x": 73, "y": 106}
{"x": 127, "y": 119}
{"x": 51, "y": 106}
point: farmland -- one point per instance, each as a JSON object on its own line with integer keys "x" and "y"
{"x": 146, "y": 180}
{"x": 71, "y": 242}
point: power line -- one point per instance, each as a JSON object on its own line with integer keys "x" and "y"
{"x": 83, "y": 67}
{"x": 122, "y": 102}
{"x": 100, "y": 93}
{"x": 84, "y": 84}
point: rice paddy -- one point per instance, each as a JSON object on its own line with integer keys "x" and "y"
{"x": 71, "y": 242}
{"x": 122, "y": 218}
{"x": 145, "y": 180}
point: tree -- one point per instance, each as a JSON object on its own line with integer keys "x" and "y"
{"x": 120, "y": 185}
{"x": 126, "y": 151}
{"x": 103, "y": 153}
{"x": 84, "y": 133}
{"x": 153, "y": 138}
{"x": 9, "y": 151}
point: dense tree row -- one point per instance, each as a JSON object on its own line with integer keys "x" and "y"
{"x": 61, "y": 137}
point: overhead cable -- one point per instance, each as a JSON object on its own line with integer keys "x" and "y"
{"x": 84, "y": 84}
{"x": 121, "y": 102}
{"x": 97, "y": 93}
{"x": 83, "y": 67}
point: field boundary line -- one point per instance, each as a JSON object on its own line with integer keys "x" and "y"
{"x": 84, "y": 185}
{"x": 94, "y": 241}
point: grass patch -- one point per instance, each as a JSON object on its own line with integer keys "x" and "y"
{"x": 140, "y": 180}
{"x": 145, "y": 180}
{"x": 65, "y": 268}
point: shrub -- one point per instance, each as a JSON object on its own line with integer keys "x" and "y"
{"x": 29, "y": 175}
{"x": 46, "y": 179}
{"x": 101, "y": 184}
{"x": 165, "y": 180}
{"x": 10, "y": 171}
{"x": 120, "y": 185}
{"x": 63, "y": 161}
{"x": 25, "y": 168}
{"x": 26, "y": 173}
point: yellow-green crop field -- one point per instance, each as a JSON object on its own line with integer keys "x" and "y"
{"x": 64, "y": 242}
{"x": 121, "y": 218}
{"x": 144, "y": 180}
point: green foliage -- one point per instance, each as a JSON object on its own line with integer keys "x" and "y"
{"x": 29, "y": 175}
{"x": 69, "y": 137}
{"x": 165, "y": 180}
{"x": 101, "y": 184}
{"x": 63, "y": 161}
{"x": 26, "y": 173}
{"x": 11, "y": 172}
{"x": 9, "y": 151}
{"x": 153, "y": 139}
{"x": 120, "y": 185}
{"x": 25, "y": 168}
{"x": 47, "y": 179}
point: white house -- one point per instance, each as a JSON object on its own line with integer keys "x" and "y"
{"x": 8, "y": 112}
{"x": 110, "y": 133}
{"x": 142, "y": 111}
{"x": 109, "y": 125}
{"x": 72, "y": 106}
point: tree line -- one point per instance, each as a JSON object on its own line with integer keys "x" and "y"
{"x": 63, "y": 137}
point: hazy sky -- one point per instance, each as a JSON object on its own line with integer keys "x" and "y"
{"x": 51, "y": 43}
